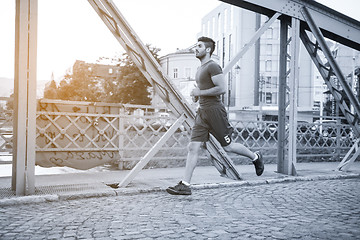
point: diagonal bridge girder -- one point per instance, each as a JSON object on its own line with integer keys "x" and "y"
{"x": 333, "y": 70}
{"x": 142, "y": 57}
{"x": 322, "y": 22}
{"x": 332, "y": 24}
{"x": 163, "y": 86}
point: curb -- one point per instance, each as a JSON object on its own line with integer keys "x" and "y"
{"x": 124, "y": 191}
{"x": 275, "y": 180}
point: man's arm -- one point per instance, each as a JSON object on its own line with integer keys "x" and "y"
{"x": 218, "y": 89}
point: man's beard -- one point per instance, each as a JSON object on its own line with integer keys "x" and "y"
{"x": 200, "y": 57}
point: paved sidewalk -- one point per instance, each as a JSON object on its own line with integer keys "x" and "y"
{"x": 86, "y": 184}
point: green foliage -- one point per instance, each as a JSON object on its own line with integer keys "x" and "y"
{"x": 50, "y": 90}
{"x": 130, "y": 86}
{"x": 79, "y": 86}
{"x": 10, "y": 102}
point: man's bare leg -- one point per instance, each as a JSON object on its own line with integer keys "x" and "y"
{"x": 240, "y": 149}
{"x": 256, "y": 158}
{"x": 191, "y": 161}
{"x": 183, "y": 187}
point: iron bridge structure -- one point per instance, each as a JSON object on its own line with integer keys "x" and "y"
{"x": 302, "y": 22}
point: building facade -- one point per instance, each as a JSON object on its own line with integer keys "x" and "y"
{"x": 181, "y": 67}
{"x": 253, "y": 82}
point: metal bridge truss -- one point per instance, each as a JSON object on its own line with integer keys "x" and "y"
{"x": 163, "y": 86}
{"x": 330, "y": 71}
{"x": 289, "y": 53}
{"x": 322, "y": 22}
{"x": 301, "y": 15}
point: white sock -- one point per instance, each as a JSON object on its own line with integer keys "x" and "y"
{"x": 185, "y": 183}
{"x": 256, "y": 157}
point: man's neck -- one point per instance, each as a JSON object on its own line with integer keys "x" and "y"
{"x": 205, "y": 59}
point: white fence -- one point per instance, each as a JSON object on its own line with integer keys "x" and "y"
{"x": 83, "y": 135}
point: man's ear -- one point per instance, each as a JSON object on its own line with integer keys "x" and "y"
{"x": 208, "y": 50}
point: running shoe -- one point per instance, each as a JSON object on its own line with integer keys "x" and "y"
{"x": 179, "y": 189}
{"x": 259, "y": 164}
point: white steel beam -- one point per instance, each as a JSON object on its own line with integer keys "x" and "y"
{"x": 23, "y": 177}
{"x": 142, "y": 163}
{"x": 142, "y": 57}
{"x": 334, "y": 66}
{"x": 338, "y": 93}
{"x": 334, "y": 25}
{"x": 282, "y": 138}
{"x": 252, "y": 41}
{"x": 293, "y": 96}
{"x": 147, "y": 64}
{"x": 350, "y": 157}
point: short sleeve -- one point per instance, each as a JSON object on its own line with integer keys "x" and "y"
{"x": 214, "y": 69}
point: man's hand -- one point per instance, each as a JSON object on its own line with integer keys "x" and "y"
{"x": 195, "y": 93}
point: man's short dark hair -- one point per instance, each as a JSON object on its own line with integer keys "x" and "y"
{"x": 209, "y": 43}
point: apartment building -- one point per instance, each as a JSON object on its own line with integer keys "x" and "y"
{"x": 252, "y": 84}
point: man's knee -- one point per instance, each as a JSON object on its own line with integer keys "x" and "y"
{"x": 228, "y": 148}
{"x": 194, "y": 147}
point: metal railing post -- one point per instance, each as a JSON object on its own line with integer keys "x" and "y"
{"x": 23, "y": 171}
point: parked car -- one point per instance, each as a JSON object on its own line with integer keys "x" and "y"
{"x": 302, "y": 126}
{"x": 326, "y": 128}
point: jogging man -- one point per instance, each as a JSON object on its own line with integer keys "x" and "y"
{"x": 211, "y": 117}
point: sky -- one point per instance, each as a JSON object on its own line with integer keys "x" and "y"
{"x": 70, "y": 30}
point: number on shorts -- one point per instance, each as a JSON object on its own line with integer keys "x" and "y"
{"x": 227, "y": 139}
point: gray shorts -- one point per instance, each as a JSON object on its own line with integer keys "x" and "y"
{"x": 214, "y": 121}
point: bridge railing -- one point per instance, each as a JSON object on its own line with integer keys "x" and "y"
{"x": 83, "y": 135}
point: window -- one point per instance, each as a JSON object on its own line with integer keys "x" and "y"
{"x": 225, "y": 20}
{"x": 231, "y": 17}
{"x": 110, "y": 71}
{"x": 213, "y": 27}
{"x": 219, "y": 24}
{"x": 269, "y": 33}
{"x": 208, "y": 29}
{"x": 188, "y": 72}
{"x": 268, "y": 66}
{"x": 316, "y": 104}
{"x": 274, "y": 81}
{"x": 268, "y": 49}
{"x": 230, "y": 47}
{"x": 223, "y": 53}
{"x": 268, "y": 80}
{"x": 176, "y": 73}
{"x": 268, "y": 97}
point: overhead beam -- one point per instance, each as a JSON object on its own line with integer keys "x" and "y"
{"x": 334, "y": 25}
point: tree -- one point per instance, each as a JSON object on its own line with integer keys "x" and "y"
{"x": 80, "y": 85}
{"x": 131, "y": 86}
{"x": 10, "y": 102}
{"x": 50, "y": 90}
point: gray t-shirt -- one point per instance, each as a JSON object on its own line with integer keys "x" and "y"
{"x": 203, "y": 81}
